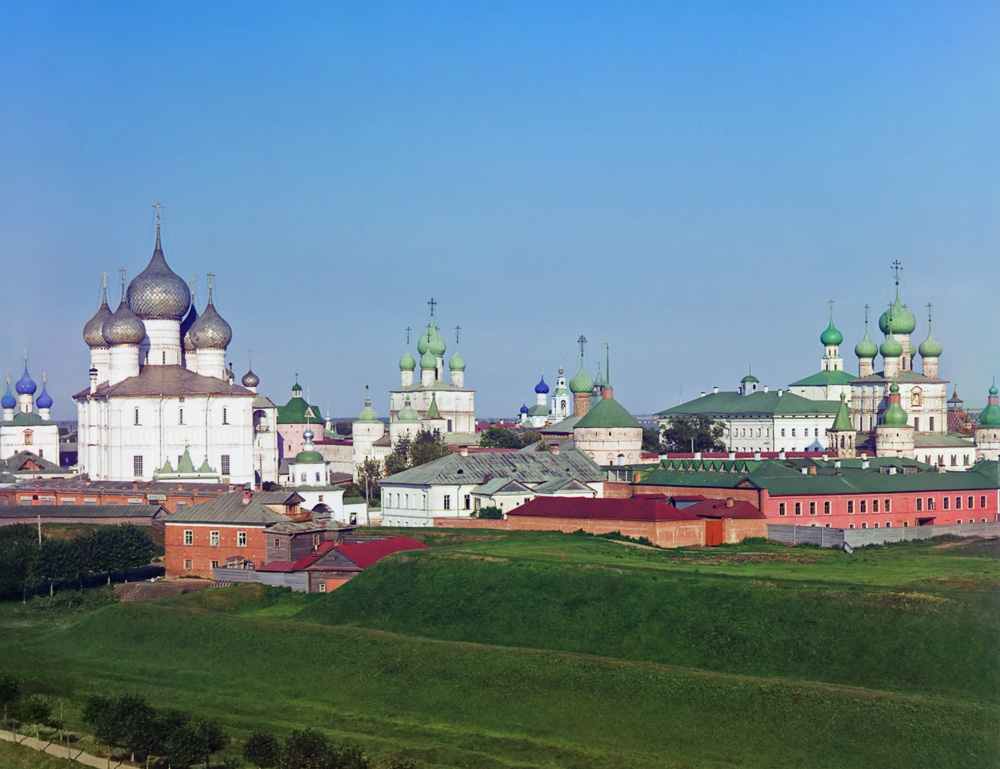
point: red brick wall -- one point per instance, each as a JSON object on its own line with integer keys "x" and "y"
{"x": 201, "y": 553}
{"x": 738, "y": 529}
{"x": 903, "y": 509}
{"x": 745, "y": 495}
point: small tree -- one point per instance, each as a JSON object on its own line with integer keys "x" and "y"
{"x": 426, "y": 447}
{"x": 35, "y": 710}
{"x": 369, "y": 475}
{"x": 210, "y": 738}
{"x": 399, "y": 459}
{"x": 306, "y": 749}
{"x": 9, "y": 690}
{"x": 349, "y": 757}
{"x": 698, "y": 433}
{"x": 491, "y": 513}
{"x": 262, "y": 749}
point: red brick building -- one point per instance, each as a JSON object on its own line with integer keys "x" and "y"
{"x": 172, "y": 496}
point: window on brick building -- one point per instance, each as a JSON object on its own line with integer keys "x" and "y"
{"x": 930, "y": 503}
{"x": 946, "y": 503}
{"x": 887, "y": 506}
{"x": 982, "y": 501}
{"x": 798, "y": 508}
{"x": 864, "y": 505}
{"x": 850, "y": 505}
{"x": 188, "y": 564}
{"x": 958, "y": 503}
{"x": 920, "y": 504}
{"x": 215, "y": 564}
{"x": 812, "y": 508}
{"x": 781, "y": 508}
{"x": 213, "y": 538}
{"x": 826, "y": 508}
{"x": 188, "y": 536}
{"x": 874, "y": 505}
{"x": 241, "y": 539}
{"x": 864, "y": 525}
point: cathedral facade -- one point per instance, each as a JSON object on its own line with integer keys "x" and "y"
{"x": 161, "y": 403}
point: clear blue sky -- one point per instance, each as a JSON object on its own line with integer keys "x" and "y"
{"x": 689, "y": 182}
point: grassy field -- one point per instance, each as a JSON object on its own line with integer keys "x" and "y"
{"x": 539, "y": 650}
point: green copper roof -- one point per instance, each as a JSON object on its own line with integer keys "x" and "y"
{"x": 866, "y": 347}
{"x": 894, "y": 414}
{"x": 431, "y": 340}
{"x": 407, "y": 362}
{"x": 929, "y": 348}
{"x": 897, "y": 319}
{"x": 309, "y": 458}
{"x": 432, "y": 411}
{"x": 843, "y": 419}
{"x": 608, "y": 413}
{"x": 725, "y": 404}
{"x": 825, "y": 378}
{"x": 205, "y": 468}
{"x": 167, "y": 468}
{"x": 891, "y": 347}
{"x": 457, "y": 362}
{"x": 408, "y": 413}
{"x": 185, "y": 465}
{"x": 749, "y": 378}
{"x": 581, "y": 383}
{"x": 297, "y": 412}
{"x": 831, "y": 336}
{"x": 368, "y": 413}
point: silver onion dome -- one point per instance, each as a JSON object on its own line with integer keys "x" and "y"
{"x": 93, "y": 331}
{"x": 210, "y": 330}
{"x": 250, "y": 379}
{"x": 158, "y": 292}
{"x": 123, "y": 326}
{"x": 186, "y": 324}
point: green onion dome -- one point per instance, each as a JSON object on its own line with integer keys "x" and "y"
{"x": 749, "y": 379}
{"x": 407, "y": 362}
{"x": 309, "y": 458}
{"x": 898, "y": 317}
{"x": 866, "y": 347}
{"x": 431, "y": 341}
{"x": 368, "y": 413}
{"x": 894, "y": 415}
{"x": 891, "y": 347}
{"x": 408, "y": 413}
{"x": 831, "y": 336}
{"x": 929, "y": 348}
{"x": 428, "y": 361}
{"x": 581, "y": 383}
{"x": 990, "y": 416}
{"x": 457, "y": 362}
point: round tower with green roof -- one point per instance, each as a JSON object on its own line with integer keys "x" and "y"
{"x": 987, "y": 432}
{"x": 366, "y": 431}
{"x": 894, "y": 435}
{"x": 608, "y": 434}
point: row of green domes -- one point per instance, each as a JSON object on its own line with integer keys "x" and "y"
{"x": 429, "y": 361}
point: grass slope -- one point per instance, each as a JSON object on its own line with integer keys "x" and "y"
{"x": 421, "y": 655}
{"x": 930, "y": 638}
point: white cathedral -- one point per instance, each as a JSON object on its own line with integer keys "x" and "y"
{"x": 161, "y": 404}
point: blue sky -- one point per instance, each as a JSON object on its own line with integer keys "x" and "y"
{"x": 688, "y": 182}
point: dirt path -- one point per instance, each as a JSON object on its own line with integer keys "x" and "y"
{"x": 61, "y": 751}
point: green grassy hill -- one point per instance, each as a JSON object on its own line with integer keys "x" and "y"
{"x": 562, "y": 651}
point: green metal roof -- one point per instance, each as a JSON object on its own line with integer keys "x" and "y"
{"x": 843, "y": 419}
{"x": 309, "y": 458}
{"x": 297, "y": 412}
{"x": 524, "y": 466}
{"x": 433, "y": 412}
{"x": 940, "y": 440}
{"x": 729, "y": 404}
{"x": 608, "y": 413}
{"x": 825, "y": 378}
{"x": 27, "y": 420}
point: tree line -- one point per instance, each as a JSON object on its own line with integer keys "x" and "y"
{"x": 26, "y": 562}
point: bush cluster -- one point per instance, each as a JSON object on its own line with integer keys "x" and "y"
{"x": 310, "y": 749}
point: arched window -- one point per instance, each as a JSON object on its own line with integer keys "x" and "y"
{"x": 29, "y": 437}
{"x": 916, "y": 397}
{"x": 135, "y": 416}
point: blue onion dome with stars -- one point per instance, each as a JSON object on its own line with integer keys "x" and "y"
{"x": 93, "y": 330}
{"x": 158, "y": 292}
{"x": 8, "y": 401}
{"x": 26, "y": 385}
{"x": 210, "y": 331}
{"x": 44, "y": 400}
{"x": 541, "y": 388}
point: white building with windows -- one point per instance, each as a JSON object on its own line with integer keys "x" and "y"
{"x": 457, "y": 485}
{"x": 160, "y": 394}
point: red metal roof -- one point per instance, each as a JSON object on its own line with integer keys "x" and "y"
{"x": 636, "y": 509}
{"x": 364, "y": 554}
{"x": 716, "y": 508}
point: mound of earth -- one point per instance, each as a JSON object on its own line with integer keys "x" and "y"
{"x": 145, "y": 591}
